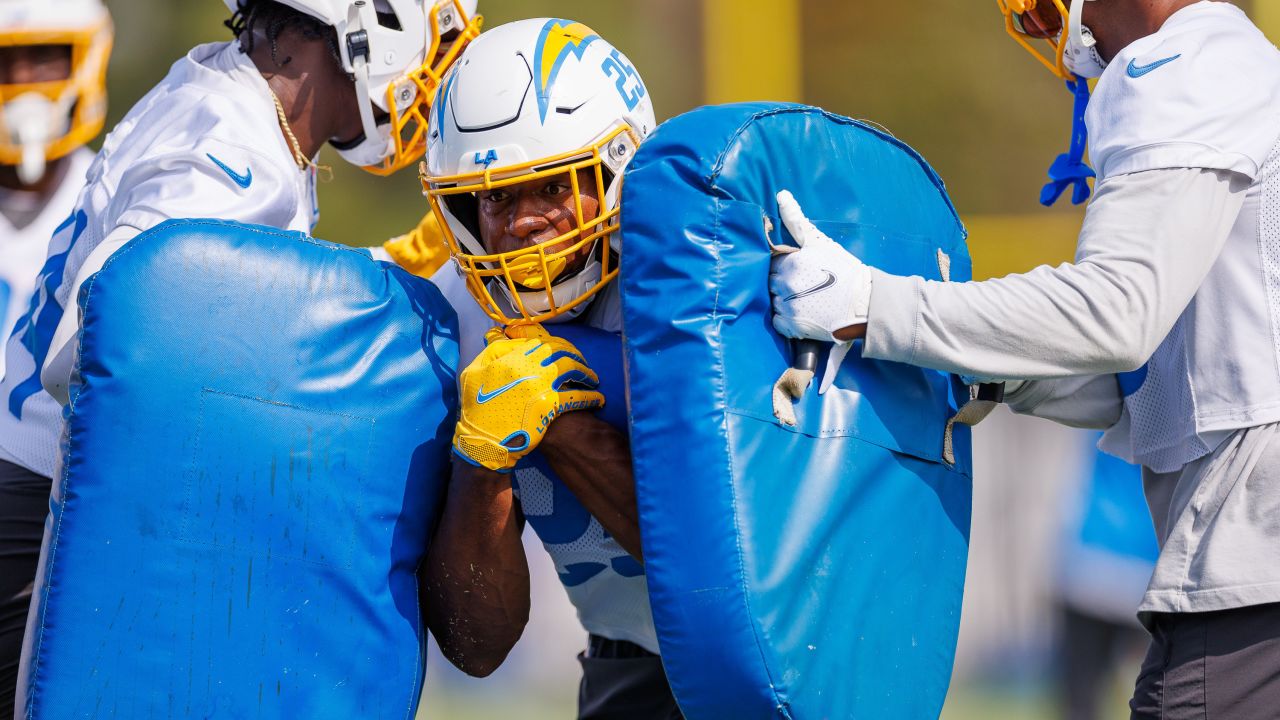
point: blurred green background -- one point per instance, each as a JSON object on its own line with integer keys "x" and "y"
{"x": 941, "y": 75}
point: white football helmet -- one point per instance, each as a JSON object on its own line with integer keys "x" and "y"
{"x": 44, "y": 121}
{"x": 529, "y": 100}
{"x": 1070, "y": 48}
{"x": 393, "y": 51}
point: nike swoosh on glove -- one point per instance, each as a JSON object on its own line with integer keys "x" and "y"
{"x": 818, "y": 287}
{"x": 512, "y": 392}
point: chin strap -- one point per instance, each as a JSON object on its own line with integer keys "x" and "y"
{"x": 1070, "y": 170}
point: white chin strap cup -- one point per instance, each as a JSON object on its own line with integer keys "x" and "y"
{"x": 1081, "y": 54}
{"x": 33, "y": 120}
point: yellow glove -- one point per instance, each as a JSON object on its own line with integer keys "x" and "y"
{"x": 421, "y": 252}
{"x": 513, "y": 390}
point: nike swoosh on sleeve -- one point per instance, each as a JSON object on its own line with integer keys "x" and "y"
{"x": 1136, "y": 71}
{"x": 243, "y": 181}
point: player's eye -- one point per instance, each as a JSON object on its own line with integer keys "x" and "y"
{"x": 1043, "y": 22}
{"x": 496, "y": 196}
{"x": 555, "y": 189}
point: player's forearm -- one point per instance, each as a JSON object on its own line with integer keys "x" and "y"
{"x": 1148, "y": 242}
{"x": 593, "y": 459}
{"x": 1091, "y": 402}
{"x": 476, "y": 578}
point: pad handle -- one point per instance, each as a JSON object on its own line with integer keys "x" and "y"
{"x": 805, "y": 354}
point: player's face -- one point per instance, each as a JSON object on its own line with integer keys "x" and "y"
{"x": 1043, "y": 21}
{"x": 24, "y": 64}
{"x": 446, "y": 44}
{"x": 522, "y": 215}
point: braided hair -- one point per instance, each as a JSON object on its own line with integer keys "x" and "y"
{"x": 273, "y": 19}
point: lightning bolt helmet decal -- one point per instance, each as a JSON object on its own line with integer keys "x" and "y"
{"x": 557, "y": 40}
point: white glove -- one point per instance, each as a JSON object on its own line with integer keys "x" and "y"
{"x": 818, "y": 288}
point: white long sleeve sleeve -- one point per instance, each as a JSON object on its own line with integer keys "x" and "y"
{"x": 1088, "y": 401}
{"x": 1149, "y": 239}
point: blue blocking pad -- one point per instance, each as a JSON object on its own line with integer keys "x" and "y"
{"x": 807, "y": 572}
{"x": 255, "y": 460}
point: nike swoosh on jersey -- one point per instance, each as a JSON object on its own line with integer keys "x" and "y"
{"x": 243, "y": 181}
{"x": 831, "y": 280}
{"x": 483, "y": 397}
{"x": 1136, "y": 71}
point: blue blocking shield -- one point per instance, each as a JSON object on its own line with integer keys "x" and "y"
{"x": 255, "y": 458}
{"x": 806, "y": 572}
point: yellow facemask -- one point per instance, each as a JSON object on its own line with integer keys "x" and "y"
{"x": 409, "y": 99}
{"x": 537, "y": 267}
{"x": 83, "y": 93}
{"x": 1039, "y": 27}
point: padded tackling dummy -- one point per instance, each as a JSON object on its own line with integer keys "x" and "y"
{"x": 806, "y": 572}
{"x": 255, "y": 459}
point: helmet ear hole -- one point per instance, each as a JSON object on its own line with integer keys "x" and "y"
{"x": 466, "y": 208}
{"x": 387, "y": 17}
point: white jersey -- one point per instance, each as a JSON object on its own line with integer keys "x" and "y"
{"x": 1203, "y": 92}
{"x": 205, "y": 142}
{"x": 606, "y": 585}
{"x": 23, "y": 249}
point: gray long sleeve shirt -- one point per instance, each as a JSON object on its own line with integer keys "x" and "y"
{"x": 1149, "y": 239}
{"x": 1148, "y": 244}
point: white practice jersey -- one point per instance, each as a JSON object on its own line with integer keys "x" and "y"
{"x": 205, "y": 142}
{"x": 606, "y": 585}
{"x": 1203, "y": 92}
{"x": 23, "y": 249}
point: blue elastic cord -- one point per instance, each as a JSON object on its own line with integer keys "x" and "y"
{"x": 1070, "y": 169}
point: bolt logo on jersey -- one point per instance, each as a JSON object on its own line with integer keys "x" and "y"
{"x": 35, "y": 330}
{"x": 584, "y": 549}
{"x": 605, "y": 584}
{"x": 559, "y": 38}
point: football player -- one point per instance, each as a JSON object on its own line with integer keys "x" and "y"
{"x": 232, "y": 133}
{"x": 53, "y": 64}
{"x": 529, "y": 139}
{"x": 1176, "y": 287}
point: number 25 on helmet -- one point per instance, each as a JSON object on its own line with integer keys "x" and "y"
{"x": 532, "y": 101}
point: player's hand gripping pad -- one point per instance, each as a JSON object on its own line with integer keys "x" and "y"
{"x": 807, "y": 572}
{"x": 255, "y": 460}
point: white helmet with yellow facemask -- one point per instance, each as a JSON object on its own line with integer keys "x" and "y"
{"x": 532, "y": 100}
{"x": 1069, "y": 54}
{"x": 1055, "y": 34}
{"x": 396, "y": 52}
{"x": 47, "y": 117}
